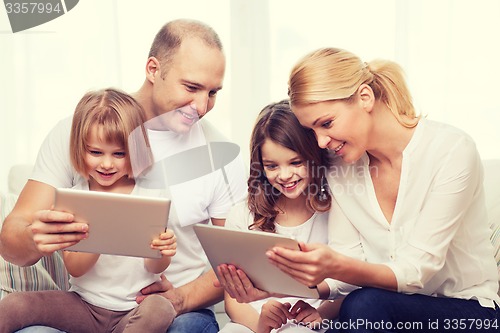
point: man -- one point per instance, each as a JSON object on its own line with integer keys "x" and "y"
{"x": 184, "y": 72}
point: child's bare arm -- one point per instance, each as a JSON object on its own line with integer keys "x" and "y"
{"x": 330, "y": 309}
{"x": 241, "y": 313}
{"x": 79, "y": 263}
{"x": 166, "y": 243}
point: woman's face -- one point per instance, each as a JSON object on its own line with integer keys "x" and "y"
{"x": 285, "y": 169}
{"x": 339, "y": 126}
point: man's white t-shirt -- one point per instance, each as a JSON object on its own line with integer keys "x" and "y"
{"x": 194, "y": 201}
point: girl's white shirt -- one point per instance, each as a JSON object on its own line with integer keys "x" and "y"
{"x": 114, "y": 281}
{"x": 314, "y": 230}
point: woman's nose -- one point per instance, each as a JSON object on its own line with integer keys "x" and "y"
{"x": 323, "y": 141}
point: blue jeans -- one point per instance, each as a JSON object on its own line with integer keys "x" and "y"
{"x": 377, "y": 310}
{"x": 201, "y": 321}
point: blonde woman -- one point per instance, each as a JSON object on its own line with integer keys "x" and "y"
{"x": 408, "y": 222}
{"x": 408, "y": 233}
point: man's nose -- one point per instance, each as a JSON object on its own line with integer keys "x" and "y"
{"x": 201, "y": 105}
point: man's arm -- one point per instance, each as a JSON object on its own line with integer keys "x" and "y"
{"x": 197, "y": 294}
{"x": 32, "y": 230}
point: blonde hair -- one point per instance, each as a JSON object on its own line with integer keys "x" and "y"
{"x": 117, "y": 114}
{"x": 335, "y": 74}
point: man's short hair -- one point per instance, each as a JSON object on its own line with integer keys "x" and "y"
{"x": 171, "y": 35}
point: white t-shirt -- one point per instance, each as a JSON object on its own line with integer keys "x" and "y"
{"x": 438, "y": 240}
{"x": 314, "y": 230}
{"x": 114, "y": 281}
{"x": 198, "y": 200}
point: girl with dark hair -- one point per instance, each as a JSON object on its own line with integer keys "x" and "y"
{"x": 287, "y": 194}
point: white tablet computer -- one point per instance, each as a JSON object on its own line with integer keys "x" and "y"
{"x": 119, "y": 224}
{"x": 247, "y": 250}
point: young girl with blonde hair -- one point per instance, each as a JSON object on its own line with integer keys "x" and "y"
{"x": 102, "y": 296}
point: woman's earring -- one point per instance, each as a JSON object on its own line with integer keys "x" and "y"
{"x": 323, "y": 190}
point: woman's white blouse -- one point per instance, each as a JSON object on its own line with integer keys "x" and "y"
{"x": 438, "y": 240}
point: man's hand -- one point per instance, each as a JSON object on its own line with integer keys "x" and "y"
{"x": 237, "y": 284}
{"x": 54, "y": 230}
{"x": 167, "y": 290}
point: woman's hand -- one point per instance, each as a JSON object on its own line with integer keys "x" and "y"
{"x": 310, "y": 266}
{"x": 237, "y": 284}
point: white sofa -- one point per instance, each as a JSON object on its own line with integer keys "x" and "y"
{"x": 51, "y": 269}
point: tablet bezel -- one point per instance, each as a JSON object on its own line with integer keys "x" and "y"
{"x": 119, "y": 224}
{"x": 246, "y": 249}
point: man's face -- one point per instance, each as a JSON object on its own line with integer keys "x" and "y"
{"x": 189, "y": 85}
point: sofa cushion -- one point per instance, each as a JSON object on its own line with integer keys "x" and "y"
{"x": 18, "y": 175}
{"x": 48, "y": 273}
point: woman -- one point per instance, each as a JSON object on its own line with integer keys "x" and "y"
{"x": 408, "y": 223}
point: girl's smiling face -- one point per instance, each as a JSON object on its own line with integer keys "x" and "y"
{"x": 285, "y": 169}
{"x": 106, "y": 162}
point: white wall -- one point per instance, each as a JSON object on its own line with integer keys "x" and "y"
{"x": 449, "y": 49}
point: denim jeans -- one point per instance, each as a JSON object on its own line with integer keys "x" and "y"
{"x": 377, "y": 310}
{"x": 201, "y": 321}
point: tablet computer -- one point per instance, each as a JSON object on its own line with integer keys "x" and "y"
{"x": 119, "y": 224}
{"x": 246, "y": 249}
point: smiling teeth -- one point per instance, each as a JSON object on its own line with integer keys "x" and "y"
{"x": 339, "y": 147}
{"x": 187, "y": 115}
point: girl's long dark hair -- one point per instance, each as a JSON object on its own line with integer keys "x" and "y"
{"x": 276, "y": 122}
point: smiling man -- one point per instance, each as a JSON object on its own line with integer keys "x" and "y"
{"x": 184, "y": 72}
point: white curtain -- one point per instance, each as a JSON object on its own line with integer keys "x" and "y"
{"x": 449, "y": 50}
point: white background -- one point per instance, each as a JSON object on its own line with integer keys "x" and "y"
{"x": 449, "y": 49}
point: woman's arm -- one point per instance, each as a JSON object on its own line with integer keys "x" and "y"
{"x": 79, "y": 263}
{"x": 316, "y": 262}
